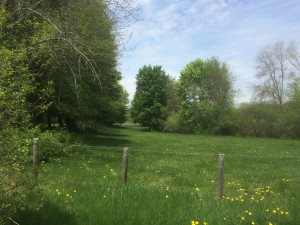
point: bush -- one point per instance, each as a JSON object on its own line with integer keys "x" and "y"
{"x": 228, "y": 127}
{"x": 14, "y": 170}
{"x": 55, "y": 144}
{"x": 174, "y": 124}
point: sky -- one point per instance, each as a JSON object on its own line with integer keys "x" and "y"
{"x": 172, "y": 33}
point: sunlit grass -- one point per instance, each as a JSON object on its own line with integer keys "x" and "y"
{"x": 172, "y": 180}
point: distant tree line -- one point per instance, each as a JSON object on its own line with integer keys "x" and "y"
{"x": 275, "y": 108}
{"x": 201, "y": 100}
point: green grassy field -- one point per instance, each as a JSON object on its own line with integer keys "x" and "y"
{"x": 172, "y": 180}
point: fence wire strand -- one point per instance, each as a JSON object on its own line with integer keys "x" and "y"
{"x": 137, "y": 150}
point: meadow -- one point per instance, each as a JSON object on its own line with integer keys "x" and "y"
{"x": 172, "y": 180}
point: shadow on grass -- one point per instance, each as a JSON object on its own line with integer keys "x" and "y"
{"x": 105, "y": 137}
{"x": 49, "y": 214}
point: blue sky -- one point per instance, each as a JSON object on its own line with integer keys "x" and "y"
{"x": 173, "y": 33}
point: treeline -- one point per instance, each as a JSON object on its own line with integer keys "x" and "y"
{"x": 58, "y": 69}
{"x": 61, "y": 58}
{"x": 201, "y": 100}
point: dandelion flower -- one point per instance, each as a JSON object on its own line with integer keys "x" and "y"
{"x": 270, "y": 223}
{"x": 253, "y": 223}
{"x": 243, "y": 218}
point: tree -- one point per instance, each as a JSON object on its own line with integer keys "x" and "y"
{"x": 72, "y": 47}
{"x": 273, "y": 69}
{"x": 205, "y": 88}
{"x": 294, "y": 57}
{"x": 173, "y": 100}
{"x": 150, "y": 99}
{"x": 278, "y": 69}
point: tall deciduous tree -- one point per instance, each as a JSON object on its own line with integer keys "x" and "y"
{"x": 150, "y": 99}
{"x": 273, "y": 70}
{"x": 205, "y": 88}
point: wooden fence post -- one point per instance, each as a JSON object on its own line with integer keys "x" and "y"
{"x": 221, "y": 176}
{"x": 35, "y": 156}
{"x": 125, "y": 165}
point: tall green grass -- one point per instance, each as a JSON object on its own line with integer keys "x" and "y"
{"x": 172, "y": 180}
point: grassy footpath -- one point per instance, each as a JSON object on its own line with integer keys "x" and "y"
{"x": 172, "y": 180}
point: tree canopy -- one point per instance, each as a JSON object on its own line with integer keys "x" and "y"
{"x": 205, "y": 87}
{"x": 71, "y": 51}
{"x": 150, "y": 99}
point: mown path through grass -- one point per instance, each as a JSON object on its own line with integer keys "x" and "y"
{"x": 172, "y": 180}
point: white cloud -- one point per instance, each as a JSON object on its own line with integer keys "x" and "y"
{"x": 174, "y": 32}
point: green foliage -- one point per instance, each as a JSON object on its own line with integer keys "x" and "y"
{"x": 293, "y": 109}
{"x": 172, "y": 123}
{"x": 173, "y": 100}
{"x": 260, "y": 120}
{"x": 150, "y": 99}
{"x": 53, "y": 144}
{"x": 205, "y": 88}
{"x": 70, "y": 50}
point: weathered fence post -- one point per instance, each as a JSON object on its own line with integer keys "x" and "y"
{"x": 125, "y": 165}
{"x": 35, "y": 156}
{"x": 221, "y": 176}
